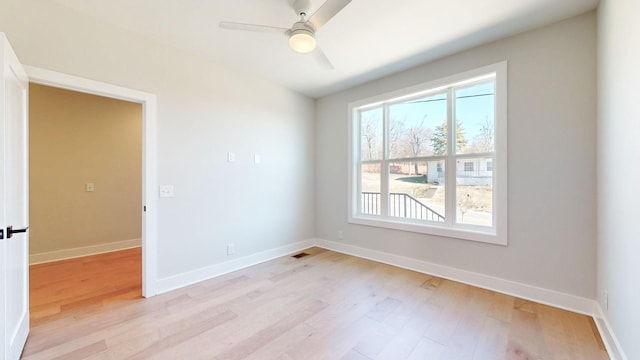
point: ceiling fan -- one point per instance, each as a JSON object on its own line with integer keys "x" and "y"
{"x": 301, "y": 35}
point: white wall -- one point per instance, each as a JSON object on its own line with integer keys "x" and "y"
{"x": 552, "y": 172}
{"x": 618, "y": 171}
{"x": 204, "y": 111}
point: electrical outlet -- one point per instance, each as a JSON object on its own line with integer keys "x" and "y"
{"x": 231, "y": 249}
{"x": 340, "y": 235}
{"x": 606, "y": 300}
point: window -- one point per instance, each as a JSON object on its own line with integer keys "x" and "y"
{"x": 432, "y": 159}
{"x": 468, "y": 166}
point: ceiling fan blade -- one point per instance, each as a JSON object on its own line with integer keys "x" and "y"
{"x": 328, "y": 10}
{"x": 322, "y": 59}
{"x": 252, "y": 27}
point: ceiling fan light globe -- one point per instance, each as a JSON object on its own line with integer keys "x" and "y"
{"x": 302, "y": 41}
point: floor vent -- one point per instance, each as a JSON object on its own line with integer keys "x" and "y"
{"x": 300, "y": 255}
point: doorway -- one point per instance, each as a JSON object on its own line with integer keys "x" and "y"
{"x": 149, "y": 177}
{"x": 85, "y": 161}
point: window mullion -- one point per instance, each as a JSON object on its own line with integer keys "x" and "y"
{"x": 356, "y": 197}
{"x": 384, "y": 165}
{"x": 450, "y": 162}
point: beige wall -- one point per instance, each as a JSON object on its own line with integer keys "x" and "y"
{"x": 76, "y": 139}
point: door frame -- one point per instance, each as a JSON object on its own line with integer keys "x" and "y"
{"x": 149, "y": 155}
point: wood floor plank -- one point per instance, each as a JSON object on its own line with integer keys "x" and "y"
{"x": 354, "y": 355}
{"x": 283, "y": 344}
{"x": 451, "y": 297}
{"x": 196, "y": 328}
{"x": 336, "y": 343}
{"x": 502, "y": 307}
{"x": 324, "y": 305}
{"x": 410, "y": 333}
{"x": 84, "y": 352}
{"x": 428, "y": 349}
{"x": 493, "y": 339}
{"x": 273, "y": 331}
{"x": 526, "y": 340}
{"x": 383, "y": 308}
{"x": 465, "y": 338}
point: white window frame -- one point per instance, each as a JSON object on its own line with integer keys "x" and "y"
{"x": 497, "y": 233}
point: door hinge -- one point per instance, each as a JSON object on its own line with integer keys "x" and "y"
{"x": 1, "y": 234}
{"x": 144, "y": 208}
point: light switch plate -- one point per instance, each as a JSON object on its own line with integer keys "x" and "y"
{"x": 257, "y": 159}
{"x": 166, "y": 191}
{"x": 231, "y": 157}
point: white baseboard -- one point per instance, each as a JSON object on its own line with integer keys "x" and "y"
{"x": 206, "y": 273}
{"x": 82, "y": 251}
{"x": 540, "y": 295}
{"x": 608, "y": 336}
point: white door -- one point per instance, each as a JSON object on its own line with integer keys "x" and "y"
{"x": 14, "y": 208}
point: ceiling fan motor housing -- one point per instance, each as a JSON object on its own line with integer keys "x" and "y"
{"x": 302, "y": 26}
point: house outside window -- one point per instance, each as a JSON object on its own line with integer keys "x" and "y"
{"x": 407, "y": 148}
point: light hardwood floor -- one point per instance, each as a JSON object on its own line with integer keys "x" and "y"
{"x": 82, "y": 286}
{"x": 322, "y": 306}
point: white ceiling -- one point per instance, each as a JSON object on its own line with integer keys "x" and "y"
{"x": 368, "y": 39}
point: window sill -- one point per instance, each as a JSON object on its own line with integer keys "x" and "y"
{"x": 471, "y": 233}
